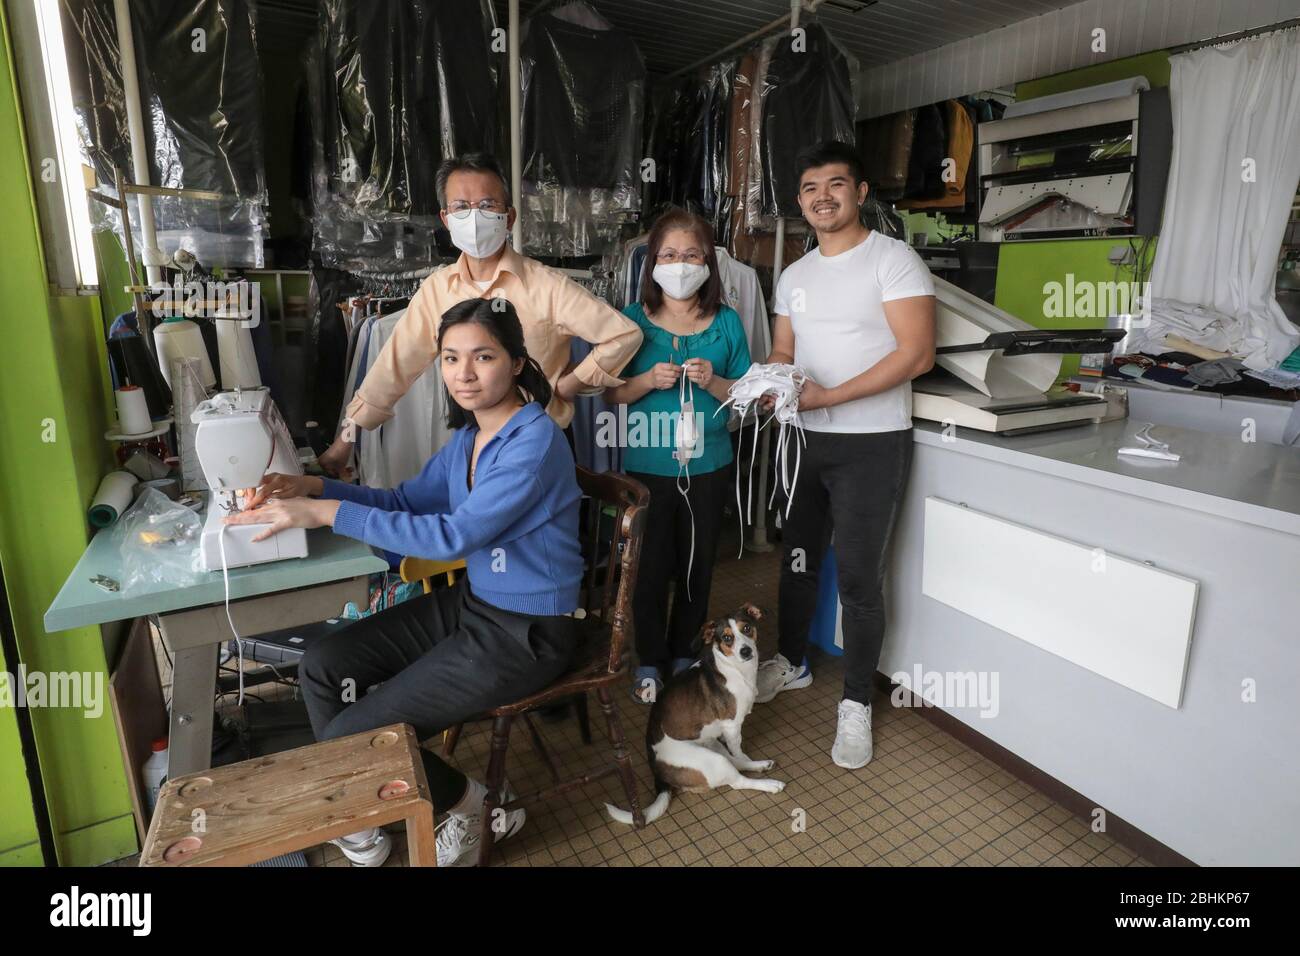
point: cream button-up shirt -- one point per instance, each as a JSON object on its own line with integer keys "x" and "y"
{"x": 552, "y": 309}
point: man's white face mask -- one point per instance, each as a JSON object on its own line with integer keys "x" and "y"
{"x": 680, "y": 280}
{"x": 478, "y": 233}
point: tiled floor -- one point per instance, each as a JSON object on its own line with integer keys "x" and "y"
{"x": 925, "y": 799}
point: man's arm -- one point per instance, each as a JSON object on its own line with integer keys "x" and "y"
{"x": 782, "y": 342}
{"x": 614, "y": 337}
{"x": 407, "y": 353}
{"x": 401, "y": 361}
{"x": 912, "y": 321}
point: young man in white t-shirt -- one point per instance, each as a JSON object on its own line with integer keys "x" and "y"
{"x": 857, "y": 315}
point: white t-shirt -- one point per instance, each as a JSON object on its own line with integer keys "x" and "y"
{"x": 836, "y": 307}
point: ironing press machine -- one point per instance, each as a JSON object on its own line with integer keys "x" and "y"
{"x": 240, "y": 437}
{"x": 992, "y": 371}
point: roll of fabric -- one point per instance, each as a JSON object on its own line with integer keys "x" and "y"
{"x": 115, "y": 494}
{"x": 132, "y": 411}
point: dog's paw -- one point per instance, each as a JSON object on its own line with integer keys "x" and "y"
{"x": 769, "y": 786}
{"x": 763, "y": 765}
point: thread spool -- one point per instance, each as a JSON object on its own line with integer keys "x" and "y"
{"x": 236, "y": 355}
{"x": 132, "y": 364}
{"x": 176, "y": 339}
{"x": 115, "y": 494}
{"x": 132, "y": 411}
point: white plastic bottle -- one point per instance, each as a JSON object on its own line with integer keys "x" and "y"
{"x": 155, "y": 772}
{"x": 178, "y": 338}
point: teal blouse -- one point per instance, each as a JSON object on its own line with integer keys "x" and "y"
{"x": 650, "y": 438}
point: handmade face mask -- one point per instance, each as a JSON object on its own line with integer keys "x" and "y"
{"x": 680, "y": 280}
{"x": 477, "y": 233}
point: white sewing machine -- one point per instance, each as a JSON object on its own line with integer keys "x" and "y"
{"x": 240, "y": 437}
{"x": 993, "y": 372}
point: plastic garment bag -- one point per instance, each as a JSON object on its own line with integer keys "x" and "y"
{"x": 583, "y": 100}
{"x": 807, "y": 97}
{"x": 201, "y": 95}
{"x": 398, "y": 86}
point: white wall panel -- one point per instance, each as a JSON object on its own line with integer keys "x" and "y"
{"x": 1055, "y": 42}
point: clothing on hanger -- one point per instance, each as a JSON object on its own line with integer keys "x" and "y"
{"x": 809, "y": 98}
{"x": 960, "y": 145}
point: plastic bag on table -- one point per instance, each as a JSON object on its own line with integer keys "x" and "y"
{"x": 159, "y": 544}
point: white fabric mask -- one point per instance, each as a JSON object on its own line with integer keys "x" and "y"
{"x": 681, "y": 280}
{"x": 477, "y": 233}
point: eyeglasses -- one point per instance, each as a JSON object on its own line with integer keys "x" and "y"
{"x": 459, "y": 206}
{"x": 690, "y": 255}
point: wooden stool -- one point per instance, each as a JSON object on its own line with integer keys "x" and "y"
{"x": 258, "y": 809}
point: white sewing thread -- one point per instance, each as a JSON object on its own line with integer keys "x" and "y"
{"x": 225, "y": 577}
{"x": 686, "y": 437}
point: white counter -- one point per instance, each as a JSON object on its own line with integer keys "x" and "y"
{"x": 1212, "y": 771}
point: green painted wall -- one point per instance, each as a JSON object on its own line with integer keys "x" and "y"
{"x": 1026, "y": 268}
{"x": 1154, "y": 66}
{"x": 55, "y": 386}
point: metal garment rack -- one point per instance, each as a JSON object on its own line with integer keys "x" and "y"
{"x": 125, "y": 188}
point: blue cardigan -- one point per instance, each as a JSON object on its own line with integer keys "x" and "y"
{"x": 517, "y": 529}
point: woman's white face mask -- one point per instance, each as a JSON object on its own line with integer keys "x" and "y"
{"x": 478, "y": 233}
{"x": 680, "y": 280}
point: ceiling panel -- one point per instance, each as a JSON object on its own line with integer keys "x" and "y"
{"x": 675, "y": 33}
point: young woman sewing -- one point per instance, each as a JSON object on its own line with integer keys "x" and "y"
{"x": 688, "y": 332}
{"x": 503, "y": 495}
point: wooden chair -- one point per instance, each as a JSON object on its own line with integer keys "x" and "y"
{"x": 258, "y": 809}
{"x": 615, "y": 505}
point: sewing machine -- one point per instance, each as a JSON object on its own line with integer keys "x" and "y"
{"x": 993, "y": 371}
{"x": 240, "y": 437}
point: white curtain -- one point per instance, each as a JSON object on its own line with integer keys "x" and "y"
{"x": 1236, "y": 162}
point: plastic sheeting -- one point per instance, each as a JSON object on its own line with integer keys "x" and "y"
{"x": 583, "y": 100}
{"x": 200, "y": 91}
{"x": 807, "y": 98}
{"x": 690, "y": 144}
{"x": 399, "y": 86}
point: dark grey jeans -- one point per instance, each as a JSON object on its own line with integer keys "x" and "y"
{"x": 852, "y": 484}
{"x": 438, "y": 659}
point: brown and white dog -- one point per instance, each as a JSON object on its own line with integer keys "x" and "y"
{"x": 693, "y": 737}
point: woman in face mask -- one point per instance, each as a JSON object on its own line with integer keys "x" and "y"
{"x": 694, "y": 347}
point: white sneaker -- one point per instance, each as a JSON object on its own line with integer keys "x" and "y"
{"x": 852, "y": 748}
{"x": 460, "y": 835}
{"x": 778, "y": 674}
{"x": 365, "y": 847}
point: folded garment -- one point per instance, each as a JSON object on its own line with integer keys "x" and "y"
{"x": 1180, "y": 343}
{"x": 1163, "y": 377}
{"x": 1217, "y": 372}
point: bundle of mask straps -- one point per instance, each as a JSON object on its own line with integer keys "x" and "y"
{"x": 784, "y": 381}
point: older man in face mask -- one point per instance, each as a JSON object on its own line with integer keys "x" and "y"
{"x": 552, "y": 308}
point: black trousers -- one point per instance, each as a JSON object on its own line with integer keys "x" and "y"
{"x": 665, "y": 556}
{"x": 852, "y": 484}
{"x": 437, "y": 659}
